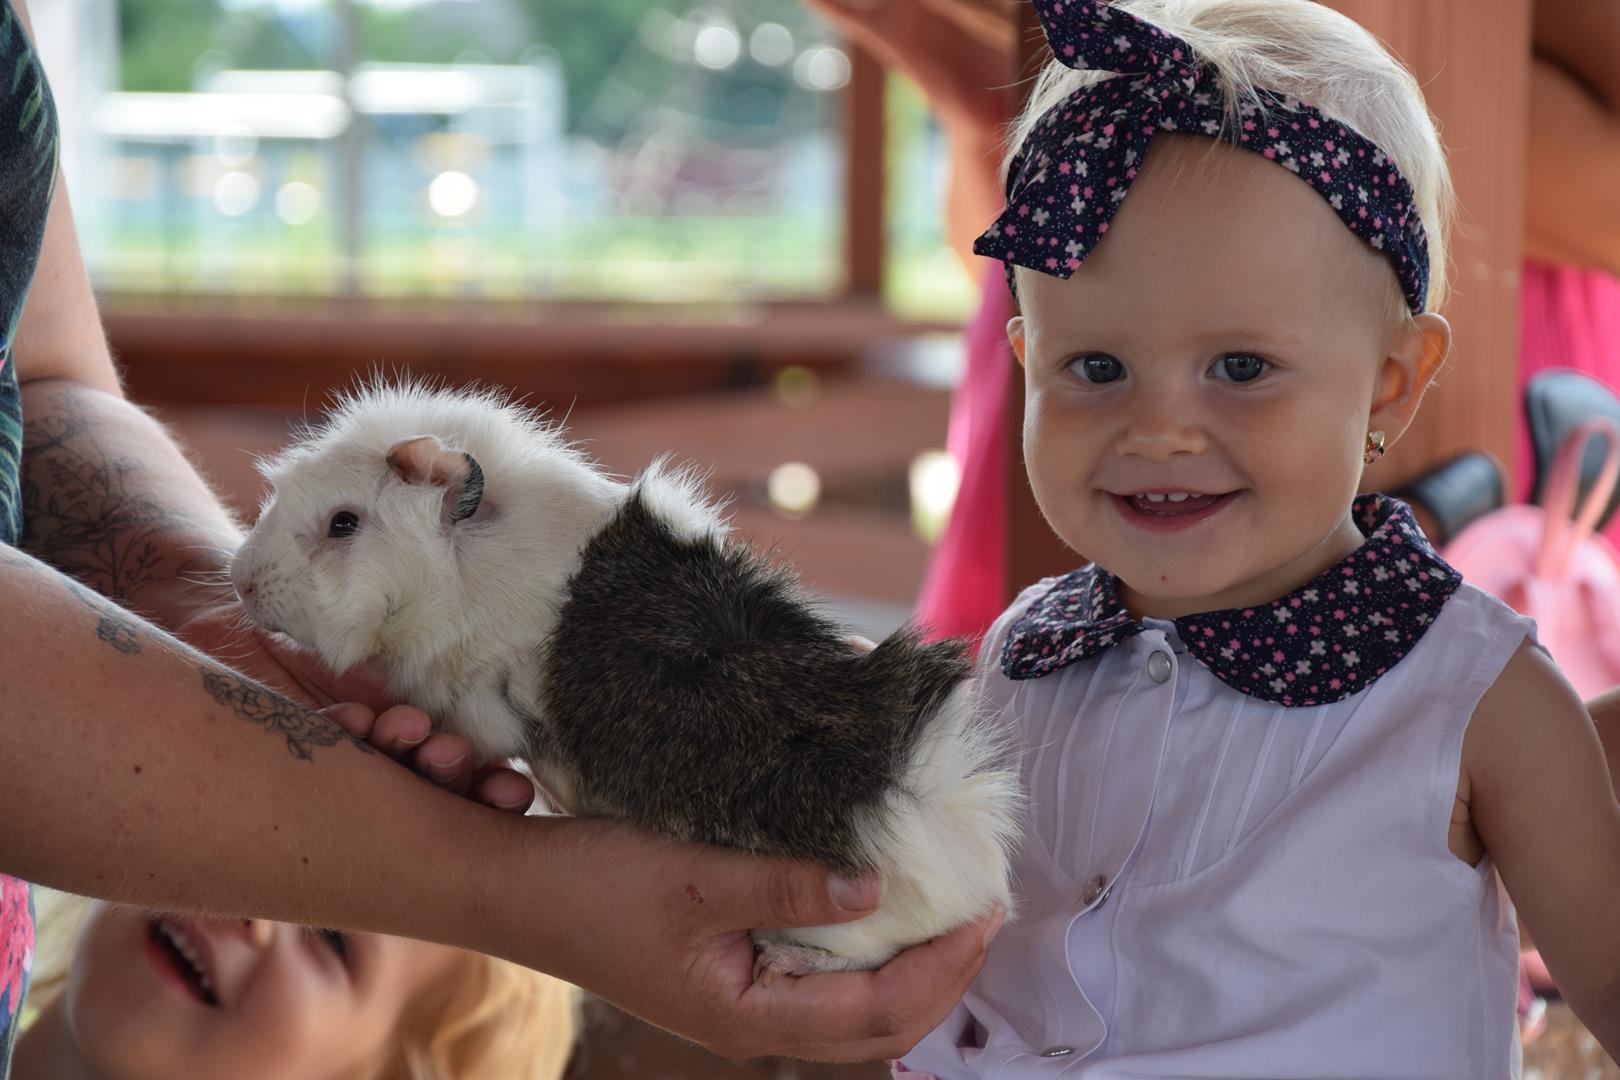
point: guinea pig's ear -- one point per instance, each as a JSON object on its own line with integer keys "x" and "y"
{"x": 423, "y": 459}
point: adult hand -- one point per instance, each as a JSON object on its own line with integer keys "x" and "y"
{"x": 660, "y": 929}
{"x": 358, "y": 700}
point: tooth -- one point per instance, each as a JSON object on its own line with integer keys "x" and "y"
{"x": 1180, "y": 496}
{"x": 1155, "y": 498}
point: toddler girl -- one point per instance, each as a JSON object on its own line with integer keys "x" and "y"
{"x": 1280, "y": 757}
{"x": 125, "y": 994}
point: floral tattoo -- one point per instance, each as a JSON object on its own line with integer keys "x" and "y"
{"x": 303, "y": 728}
{"x": 85, "y": 510}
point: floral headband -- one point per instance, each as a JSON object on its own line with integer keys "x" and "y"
{"x": 1074, "y": 169}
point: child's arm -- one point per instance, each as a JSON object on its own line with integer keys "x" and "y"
{"x": 1539, "y": 795}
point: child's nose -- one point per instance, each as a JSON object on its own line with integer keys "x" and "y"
{"x": 1159, "y": 433}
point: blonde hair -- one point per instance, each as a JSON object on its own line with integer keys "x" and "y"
{"x": 492, "y": 1020}
{"x": 1305, "y": 50}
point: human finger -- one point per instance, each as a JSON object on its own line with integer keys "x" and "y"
{"x": 755, "y": 893}
{"x": 504, "y": 789}
{"x": 447, "y": 761}
{"x": 401, "y": 729}
{"x": 351, "y": 716}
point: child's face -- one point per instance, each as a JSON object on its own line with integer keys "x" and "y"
{"x": 1229, "y": 340}
{"x": 288, "y": 1003}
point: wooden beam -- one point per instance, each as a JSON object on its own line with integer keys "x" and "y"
{"x": 865, "y": 194}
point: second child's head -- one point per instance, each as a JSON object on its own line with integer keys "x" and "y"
{"x": 1224, "y": 354}
{"x": 129, "y": 994}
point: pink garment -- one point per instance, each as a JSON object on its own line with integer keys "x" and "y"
{"x": 1569, "y": 318}
{"x": 966, "y": 586}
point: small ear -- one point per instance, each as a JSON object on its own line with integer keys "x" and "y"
{"x": 1415, "y": 357}
{"x": 423, "y": 459}
{"x": 1015, "y": 337}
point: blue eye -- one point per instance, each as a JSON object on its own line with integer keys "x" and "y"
{"x": 1097, "y": 368}
{"x": 1240, "y": 368}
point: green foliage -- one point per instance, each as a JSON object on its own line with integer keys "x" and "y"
{"x": 161, "y": 41}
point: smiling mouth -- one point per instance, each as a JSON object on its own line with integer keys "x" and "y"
{"x": 183, "y": 957}
{"x": 1171, "y": 504}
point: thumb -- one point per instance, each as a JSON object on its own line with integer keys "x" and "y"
{"x": 777, "y": 893}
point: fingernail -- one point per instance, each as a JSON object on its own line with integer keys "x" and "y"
{"x": 403, "y": 743}
{"x": 447, "y": 766}
{"x": 997, "y": 921}
{"x": 858, "y": 894}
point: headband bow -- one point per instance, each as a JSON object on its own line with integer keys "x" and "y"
{"x": 1067, "y": 180}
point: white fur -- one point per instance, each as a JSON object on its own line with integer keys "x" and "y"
{"x": 942, "y": 842}
{"x": 449, "y": 613}
{"x": 442, "y": 612}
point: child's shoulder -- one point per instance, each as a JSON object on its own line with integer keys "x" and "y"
{"x": 1471, "y": 610}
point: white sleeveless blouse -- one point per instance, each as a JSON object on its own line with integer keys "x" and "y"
{"x": 1216, "y": 885}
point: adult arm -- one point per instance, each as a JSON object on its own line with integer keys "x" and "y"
{"x": 1572, "y": 205}
{"x": 140, "y": 771}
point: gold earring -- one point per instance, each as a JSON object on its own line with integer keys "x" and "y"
{"x": 1375, "y": 447}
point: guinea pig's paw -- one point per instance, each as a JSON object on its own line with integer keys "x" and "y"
{"x": 773, "y": 959}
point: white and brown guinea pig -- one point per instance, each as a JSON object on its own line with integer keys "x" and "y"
{"x": 643, "y": 663}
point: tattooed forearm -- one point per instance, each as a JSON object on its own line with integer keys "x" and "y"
{"x": 303, "y": 728}
{"x": 89, "y": 510}
{"x": 117, "y": 628}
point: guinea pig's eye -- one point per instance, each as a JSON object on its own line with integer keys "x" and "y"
{"x": 345, "y": 523}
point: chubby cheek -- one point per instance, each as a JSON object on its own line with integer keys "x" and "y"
{"x": 1061, "y": 451}
{"x": 288, "y": 1027}
{"x": 1303, "y": 458}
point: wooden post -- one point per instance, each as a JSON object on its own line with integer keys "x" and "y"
{"x": 1472, "y": 58}
{"x": 866, "y": 198}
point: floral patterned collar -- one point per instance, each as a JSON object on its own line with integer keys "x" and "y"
{"x": 1323, "y": 642}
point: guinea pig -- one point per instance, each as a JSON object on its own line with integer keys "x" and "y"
{"x": 641, "y": 661}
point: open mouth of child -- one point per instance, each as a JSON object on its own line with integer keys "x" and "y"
{"x": 1168, "y": 511}
{"x": 181, "y": 958}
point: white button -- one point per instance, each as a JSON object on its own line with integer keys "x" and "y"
{"x": 1095, "y": 890}
{"x": 1057, "y": 1051}
{"x": 1159, "y": 667}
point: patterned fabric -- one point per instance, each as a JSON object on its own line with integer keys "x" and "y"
{"x": 1076, "y": 167}
{"x": 28, "y": 149}
{"x": 1319, "y": 644}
